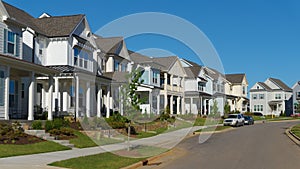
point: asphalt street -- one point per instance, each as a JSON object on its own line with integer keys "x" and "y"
{"x": 262, "y": 146}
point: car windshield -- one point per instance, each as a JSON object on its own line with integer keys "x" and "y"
{"x": 247, "y": 117}
{"x": 232, "y": 116}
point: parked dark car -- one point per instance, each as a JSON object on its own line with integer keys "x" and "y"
{"x": 249, "y": 120}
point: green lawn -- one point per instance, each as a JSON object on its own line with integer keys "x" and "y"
{"x": 83, "y": 141}
{"x": 99, "y": 161}
{"x": 207, "y": 121}
{"x": 218, "y": 128}
{"x": 151, "y": 134}
{"x": 296, "y": 130}
{"x": 7, "y": 150}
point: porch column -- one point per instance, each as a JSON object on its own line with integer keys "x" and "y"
{"x": 192, "y": 102}
{"x": 171, "y": 104}
{"x": 77, "y": 96}
{"x": 50, "y": 98}
{"x": 108, "y": 102}
{"x": 99, "y": 94}
{"x": 201, "y": 105}
{"x": 31, "y": 94}
{"x": 6, "y": 104}
{"x": 166, "y": 99}
{"x": 158, "y": 103}
{"x": 183, "y": 105}
{"x": 178, "y": 105}
{"x": 150, "y": 102}
{"x": 88, "y": 99}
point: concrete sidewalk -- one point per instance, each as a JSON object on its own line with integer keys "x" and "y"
{"x": 40, "y": 161}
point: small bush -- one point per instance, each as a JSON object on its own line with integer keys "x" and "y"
{"x": 37, "y": 125}
{"x": 48, "y": 125}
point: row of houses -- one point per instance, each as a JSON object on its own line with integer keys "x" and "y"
{"x": 57, "y": 64}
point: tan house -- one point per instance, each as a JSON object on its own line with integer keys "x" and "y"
{"x": 236, "y": 92}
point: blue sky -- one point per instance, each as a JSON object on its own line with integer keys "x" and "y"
{"x": 258, "y": 37}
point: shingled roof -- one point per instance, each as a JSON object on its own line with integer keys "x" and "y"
{"x": 59, "y": 26}
{"x": 265, "y": 86}
{"x": 193, "y": 71}
{"x": 281, "y": 84}
{"x": 109, "y": 45}
{"x": 54, "y": 26}
{"x": 235, "y": 78}
{"x": 21, "y": 17}
{"x": 167, "y": 62}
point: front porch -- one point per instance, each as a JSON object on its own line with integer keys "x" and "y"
{"x": 18, "y": 87}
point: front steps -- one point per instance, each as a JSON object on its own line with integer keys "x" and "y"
{"x": 46, "y": 136}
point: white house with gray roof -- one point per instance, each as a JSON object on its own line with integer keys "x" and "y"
{"x": 64, "y": 68}
{"x": 272, "y": 97}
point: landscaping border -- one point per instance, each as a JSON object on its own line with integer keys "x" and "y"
{"x": 292, "y": 136}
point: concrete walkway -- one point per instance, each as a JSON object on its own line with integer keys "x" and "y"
{"x": 40, "y": 161}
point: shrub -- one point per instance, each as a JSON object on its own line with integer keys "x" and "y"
{"x": 37, "y": 125}
{"x": 117, "y": 121}
{"x": 62, "y": 132}
{"x": 48, "y": 125}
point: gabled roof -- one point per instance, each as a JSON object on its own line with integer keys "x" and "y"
{"x": 167, "y": 62}
{"x": 280, "y": 84}
{"x": 235, "y": 78}
{"x": 109, "y": 45}
{"x": 21, "y": 17}
{"x": 54, "y": 26}
{"x": 193, "y": 71}
{"x": 59, "y": 26}
{"x": 265, "y": 86}
{"x": 138, "y": 58}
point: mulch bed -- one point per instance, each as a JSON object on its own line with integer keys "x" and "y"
{"x": 25, "y": 139}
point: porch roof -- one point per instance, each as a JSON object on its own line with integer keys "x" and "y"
{"x": 17, "y": 63}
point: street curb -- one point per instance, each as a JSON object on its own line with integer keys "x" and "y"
{"x": 214, "y": 132}
{"x": 140, "y": 163}
{"x": 292, "y": 136}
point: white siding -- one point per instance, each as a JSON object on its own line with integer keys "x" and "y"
{"x": 57, "y": 53}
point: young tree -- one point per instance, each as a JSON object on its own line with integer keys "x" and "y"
{"x": 214, "y": 109}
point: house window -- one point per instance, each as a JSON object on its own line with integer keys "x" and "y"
{"x": 155, "y": 77}
{"x": 254, "y": 96}
{"x": 11, "y": 42}
{"x": 200, "y": 86}
{"x": 277, "y": 96}
{"x": 76, "y": 55}
{"x": 2, "y": 88}
{"x": 124, "y": 67}
{"x": 261, "y": 96}
{"x": 116, "y": 66}
{"x": 298, "y": 94}
{"x": 81, "y": 58}
{"x": 86, "y": 58}
{"x": 259, "y": 108}
{"x": 244, "y": 90}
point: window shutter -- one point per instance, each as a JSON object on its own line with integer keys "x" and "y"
{"x": 17, "y": 37}
{"x": 5, "y": 41}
